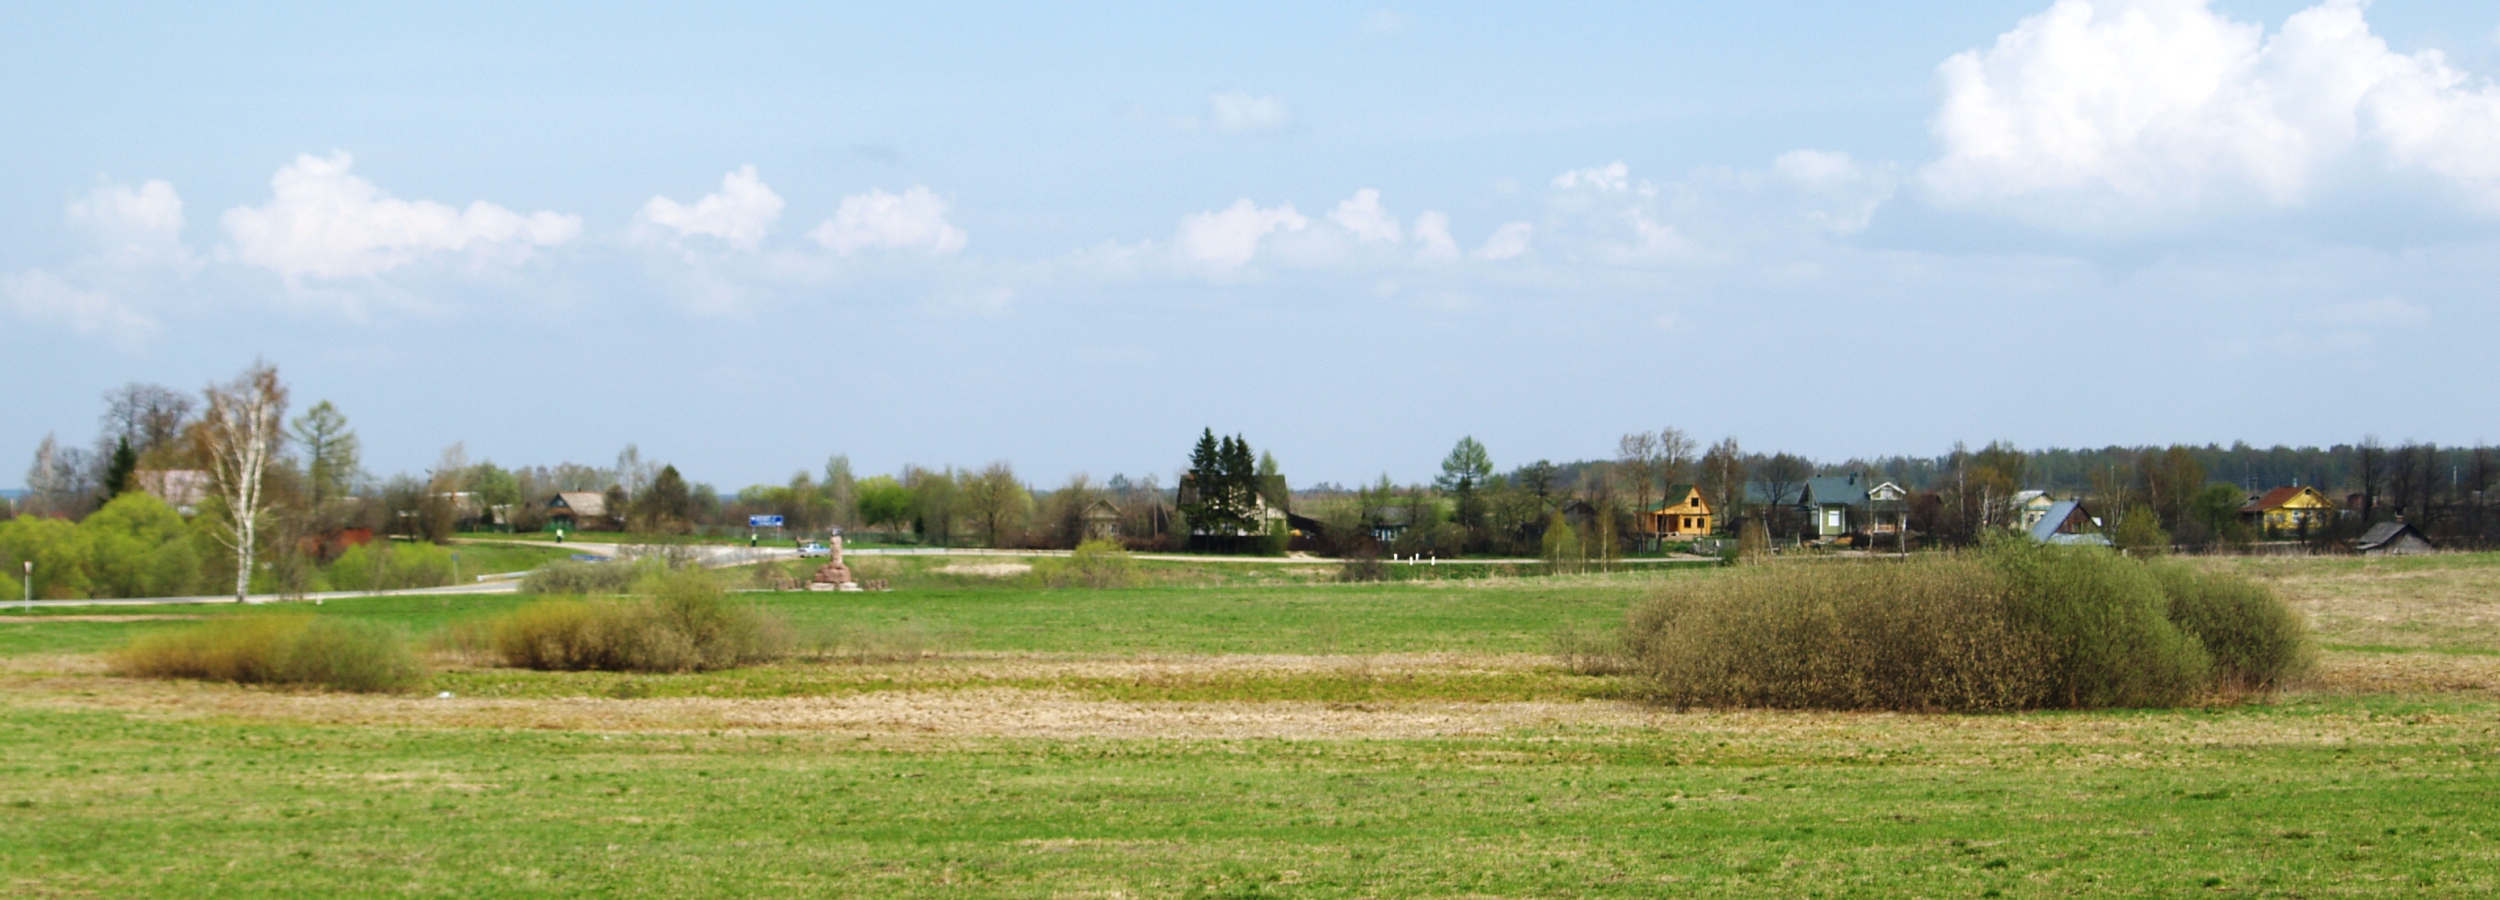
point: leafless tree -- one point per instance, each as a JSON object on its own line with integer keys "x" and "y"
{"x": 2369, "y": 465}
{"x": 1781, "y": 475}
{"x": 1723, "y": 477}
{"x": 1675, "y": 455}
{"x": 1636, "y": 464}
{"x": 149, "y": 416}
{"x": 242, "y": 436}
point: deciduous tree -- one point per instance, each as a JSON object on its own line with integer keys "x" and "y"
{"x": 242, "y": 437}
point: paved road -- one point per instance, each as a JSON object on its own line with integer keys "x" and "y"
{"x": 718, "y": 555}
{"x": 721, "y": 555}
{"x": 506, "y": 586}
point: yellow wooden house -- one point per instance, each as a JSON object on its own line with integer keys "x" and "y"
{"x": 1683, "y": 513}
{"x": 2288, "y": 510}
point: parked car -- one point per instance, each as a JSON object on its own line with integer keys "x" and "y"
{"x": 814, "y": 549}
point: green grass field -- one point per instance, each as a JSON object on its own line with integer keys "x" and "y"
{"x": 1252, "y": 740}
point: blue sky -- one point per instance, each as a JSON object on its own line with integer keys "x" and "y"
{"x": 1067, "y": 236}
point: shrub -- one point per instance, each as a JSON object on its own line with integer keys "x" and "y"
{"x": 390, "y": 565}
{"x": 303, "y": 650}
{"x": 684, "y": 624}
{"x": 2257, "y": 643}
{"x": 1928, "y": 635}
{"x": 1587, "y": 651}
{"x": 1094, "y": 564}
{"x": 2104, "y": 622}
{"x": 2015, "y": 626}
{"x": 572, "y": 577}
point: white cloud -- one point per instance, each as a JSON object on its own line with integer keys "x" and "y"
{"x": 148, "y": 216}
{"x": 1362, "y": 215}
{"x": 83, "y": 306}
{"x": 740, "y": 213}
{"x": 1614, "y": 177}
{"x": 1229, "y": 239}
{"x": 322, "y": 222}
{"x": 912, "y": 220}
{"x": 1432, "y": 237}
{"x": 2138, "y": 109}
{"x": 2383, "y": 311}
{"x": 1507, "y": 241}
{"x": 1841, "y": 195}
{"x": 1386, "y": 21}
{"x": 1241, "y": 111}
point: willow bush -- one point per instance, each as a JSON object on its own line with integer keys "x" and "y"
{"x": 2013, "y": 626}
{"x": 681, "y": 622}
{"x": 287, "y": 650}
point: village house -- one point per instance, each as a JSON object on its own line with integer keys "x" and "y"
{"x": 2288, "y": 510}
{"x": 1100, "y": 521}
{"x": 2030, "y": 507}
{"x": 1682, "y": 513}
{"x": 182, "y": 489}
{"x": 1829, "y": 506}
{"x": 580, "y": 511}
{"x": 2066, "y": 522}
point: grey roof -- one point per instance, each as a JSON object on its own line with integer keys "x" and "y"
{"x": 2046, "y": 530}
{"x": 2384, "y": 532}
{"x": 582, "y": 503}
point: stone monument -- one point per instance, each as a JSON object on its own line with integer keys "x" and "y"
{"x": 833, "y": 576}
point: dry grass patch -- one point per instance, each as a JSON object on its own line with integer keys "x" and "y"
{"x": 2442, "y": 602}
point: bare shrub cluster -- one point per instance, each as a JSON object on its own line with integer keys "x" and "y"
{"x": 289, "y": 650}
{"x": 2014, "y": 626}
{"x": 682, "y": 623}
{"x": 1094, "y": 564}
{"x": 572, "y": 577}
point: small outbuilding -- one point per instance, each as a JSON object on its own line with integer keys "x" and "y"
{"x": 2392, "y": 539}
{"x": 1100, "y": 520}
{"x": 2066, "y": 522}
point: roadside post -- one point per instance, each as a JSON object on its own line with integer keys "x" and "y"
{"x": 29, "y": 608}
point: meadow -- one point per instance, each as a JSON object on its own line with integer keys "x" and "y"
{"x": 1242, "y": 736}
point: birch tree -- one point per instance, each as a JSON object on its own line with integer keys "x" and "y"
{"x": 242, "y": 437}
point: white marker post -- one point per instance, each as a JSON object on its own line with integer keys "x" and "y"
{"x": 29, "y": 608}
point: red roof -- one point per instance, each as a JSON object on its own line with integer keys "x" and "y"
{"x": 2272, "y": 499}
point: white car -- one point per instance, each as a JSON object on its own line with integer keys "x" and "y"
{"x": 814, "y": 549}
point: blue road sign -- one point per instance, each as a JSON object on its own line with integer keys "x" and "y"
{"x": 763, "y": 521}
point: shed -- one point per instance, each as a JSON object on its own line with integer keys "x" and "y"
{"x": 2392, "y": 539}
{"x": 2066, "y": 523}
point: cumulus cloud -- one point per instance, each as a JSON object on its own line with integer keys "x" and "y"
{"x": 79, "y": 303}
{"x": 912, "y": 220}
{"x": 1432, "y": 237}
{"x": 1362, "y": 215}
{"x": 136, "y": 235}
{"x": 1229, "y": 239}
{"x": 740, "y": 213}
{"x": 1614, "y": 177}
{"x": 147, "y": 217}
{"x": 323, "y": 222}
{"x": 1242, "y": 111}
{"x": 2137, "y": 108}
{"x": 1507, "y": 241}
